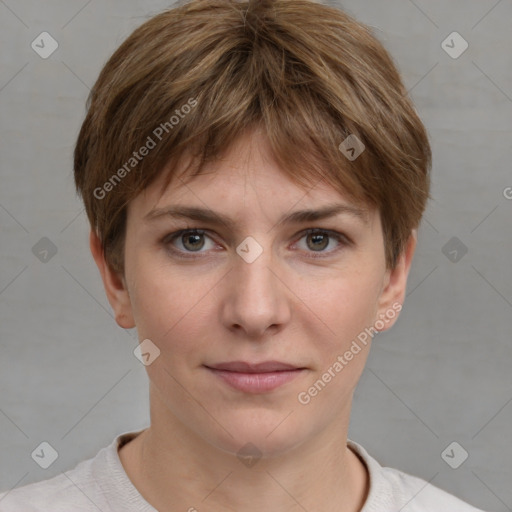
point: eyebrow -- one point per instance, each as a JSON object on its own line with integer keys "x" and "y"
{"x": 296, "y": 217}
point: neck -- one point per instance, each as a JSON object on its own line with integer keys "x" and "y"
{"x": 176, "y": 470}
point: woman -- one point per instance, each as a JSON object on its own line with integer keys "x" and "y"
{"x": 254, "y": 174}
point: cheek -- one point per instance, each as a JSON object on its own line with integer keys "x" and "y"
{"x": 342, "y": 306}
{"x": 344, "y": 312}
{"x": 170, "y": 305}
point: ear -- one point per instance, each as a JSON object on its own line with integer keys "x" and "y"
{"x": 114, "y": 283}
{"x": 393, "y": 292}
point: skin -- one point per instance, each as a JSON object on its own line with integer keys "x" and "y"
{"x": 285, "y": 306}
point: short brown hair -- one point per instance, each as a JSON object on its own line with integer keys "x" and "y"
{"x": 190, "y": 80}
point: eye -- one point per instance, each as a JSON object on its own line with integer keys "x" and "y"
{"x": 192, "y": 240}
{"x": 318, "y": 239}
{"x": 188, "y": 243}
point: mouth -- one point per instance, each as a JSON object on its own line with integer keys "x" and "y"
{"x": 256, "y": 378}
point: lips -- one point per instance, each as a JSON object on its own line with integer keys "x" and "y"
{"x": 265, "y": 367}
{"x": 256, "y": 377}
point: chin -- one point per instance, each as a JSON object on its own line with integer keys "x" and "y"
{"x": 266, "y": 436}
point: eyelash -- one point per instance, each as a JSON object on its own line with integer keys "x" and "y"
{"x": 171, "y": 237}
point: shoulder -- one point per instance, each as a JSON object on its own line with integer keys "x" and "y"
{"x": 421, "y": 496}
{"x": 78, "y": 489}
{"x": 61, "y": 493}
{"x": 97, "y": 483}
{"x": 392, "y": 489}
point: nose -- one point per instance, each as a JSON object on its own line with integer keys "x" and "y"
{"x": 255, "y": 298}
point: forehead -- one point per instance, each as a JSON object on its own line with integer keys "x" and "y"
{"x": 241, "y": 185}
{"x": 242, "y": 181}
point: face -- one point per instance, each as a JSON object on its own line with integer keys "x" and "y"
{"x": 254, "y": 288}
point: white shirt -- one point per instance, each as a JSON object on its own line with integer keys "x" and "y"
{"x": 101, "y": 484}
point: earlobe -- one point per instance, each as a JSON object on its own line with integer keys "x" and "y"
{"x": 393, "y": 293}
{"x": 114, "y": 284}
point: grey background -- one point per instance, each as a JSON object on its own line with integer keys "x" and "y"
{"x": 68, "y": 375}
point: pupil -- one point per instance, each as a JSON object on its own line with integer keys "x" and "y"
{"x": 315, "y": 238}
{"x": 191, "y": 238}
